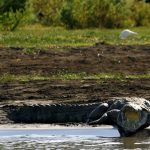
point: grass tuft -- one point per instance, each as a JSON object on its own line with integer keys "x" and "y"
{"x": 72, "y": 76}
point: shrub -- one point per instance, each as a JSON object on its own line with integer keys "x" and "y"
{"x": 11, "y": 13}
{"x": 47, "y": 11}
{"x": 97, "y": 13}
{"x": 76, "y": 13}
{"x": 66, "y": 14}
{"x": 83, "y": 13}
{"x": 141, "y": 13}
{"x": 100, "y": 13}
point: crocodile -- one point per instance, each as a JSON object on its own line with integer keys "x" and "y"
{"x": 129, "y": 115}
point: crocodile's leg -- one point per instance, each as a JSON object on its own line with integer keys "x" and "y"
{"x": 108, "y": 118}
{"x": 98, "y": 112}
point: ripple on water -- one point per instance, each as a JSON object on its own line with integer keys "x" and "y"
{"x": 67, "y": 142}
{"x": 54, "y": 142}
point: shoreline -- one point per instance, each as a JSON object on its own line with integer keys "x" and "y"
{"x": 51, "y": 126}
{"x": 48, "y": 126}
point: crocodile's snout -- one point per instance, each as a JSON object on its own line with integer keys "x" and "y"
{"x": 132, "y": 117}
{"x": 132, "y": 113}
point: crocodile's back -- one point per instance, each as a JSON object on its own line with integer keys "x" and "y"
{"x": 55, "y": 113}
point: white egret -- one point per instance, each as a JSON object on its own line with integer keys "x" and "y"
{"x": 125, "y": 33}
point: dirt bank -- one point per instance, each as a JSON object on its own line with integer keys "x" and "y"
{"x": 133, "y": 59}
{"x": 71, "y": 91}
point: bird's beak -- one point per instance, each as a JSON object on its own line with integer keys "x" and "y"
{"x": 134, "y": 32}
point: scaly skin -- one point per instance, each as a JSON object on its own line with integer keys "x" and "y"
{"x": 54, "y": 113}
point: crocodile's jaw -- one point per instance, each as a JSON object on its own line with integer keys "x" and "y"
{"x": 132, "y": 118}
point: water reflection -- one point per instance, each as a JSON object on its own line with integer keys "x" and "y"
{"x": 139, "y": 140}
{"x": 75, "y": 142}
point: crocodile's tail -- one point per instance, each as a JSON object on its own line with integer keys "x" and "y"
{"x": 54, "y": 113}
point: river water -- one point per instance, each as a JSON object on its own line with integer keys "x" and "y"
{"x": 71, "y": 138}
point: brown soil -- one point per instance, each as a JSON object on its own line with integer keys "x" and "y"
{"x": 71, "y": 91}
{"x": 133, "y": 59}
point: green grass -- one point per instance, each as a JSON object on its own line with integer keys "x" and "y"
{"x": 72, "y": 76}
{"x": 45, "y": 37}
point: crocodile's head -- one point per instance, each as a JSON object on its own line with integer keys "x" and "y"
{"x": 131, "y": 118}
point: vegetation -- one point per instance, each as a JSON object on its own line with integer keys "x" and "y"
{"x": 93, "y": 13}
{"x": 45, "y": 37}
{"x": 11, "y": 13}
{"x": 75, "y": 13}
{"x": 72, "y": 76}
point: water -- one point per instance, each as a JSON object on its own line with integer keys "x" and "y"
{"x": 72, "y": 138}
